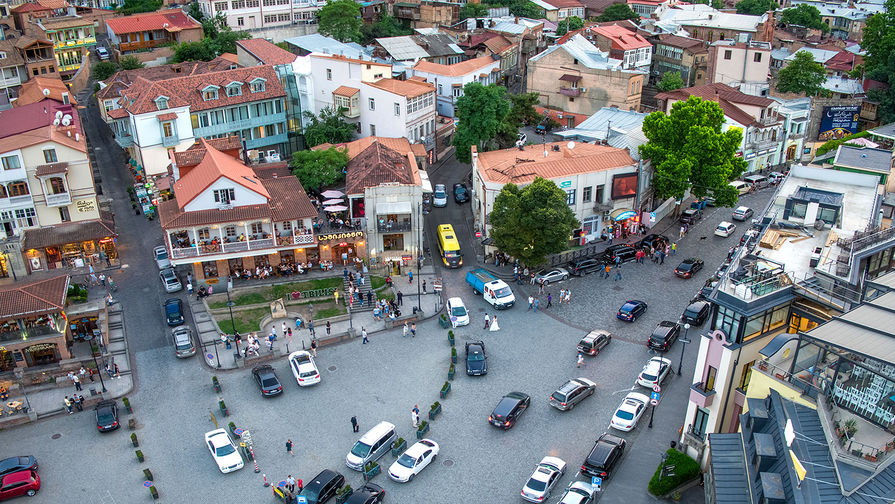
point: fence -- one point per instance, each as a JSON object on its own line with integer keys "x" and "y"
{"x": 586, "y": 251}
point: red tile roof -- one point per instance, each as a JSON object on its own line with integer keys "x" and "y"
{"x": 521, "y": 167}
{"x": 726, "y": 96}
{"x": 215, "y": 165}
{"x": 170, "y": 20}
{"x": 35, "y": 298}
{"x": 168, "y": 116}
{"x": 694, "y": 45}
{"x": 126, "y": 78}
{"x": 70, "y": 232}
{"x": 29, "y": 7}
{"x": 196, "y": 152}
{"x": 562, "y": 4}
{"x": 457, "y": 69}
{"x": 378, "y": 165}
{"x": 266, "y": 52}
{"x": 843, "y": 61}
{"x": 51, "y": 169}
{"x": 346, "y": 91}
{"x": 498, "y": 44}
{"x": 408, "y": 89}
{"x": 32, "y": 91}
{"x": 33, "y": 124}
{"x": 621, "y": 38}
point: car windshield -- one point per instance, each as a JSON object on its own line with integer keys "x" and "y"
{"x": 624, "y": 415}
{"x": 226, "y": 449}
{"x": 536, "y": 485}
{"x": 307, "y": 374}
{"x": 685, "y": 266}
{"x": 627, "y": 308}
{"x": 312, "y": 493}
{"x": 269, "y": 382}
{"x": 183, "y": 345}
{"x": 302, "y": 359}
{"x": 460, "y": 190}
{"x": 502, "y": 292}
{"x": 559, "y": 396}
{"x": 360, "y": 450}
{"x": 407, "y": 461}
{"x": 476, "y": 357}
{"x": 105, "y": 416}
{"x": 440, "y": 194}
{"x": 161, "y": 254}
{"x": 585, "y": 344}
{"x": 458, "y": 311}
{"x": 451, "y": 253}
{"x": 691, "y": 313}
{"x": 648, "y": 376}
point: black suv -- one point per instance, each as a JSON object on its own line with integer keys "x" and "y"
{"x": 509, "y": 409}
{"x": 106, "y": 416}
{"x": 697, "y": 312}
{"x": 652, "y": 240}
{"x": 476, "y": 360}
{"x": 370, "y": 493}
{"x": 267, "y": 380}
{"x": 583, "y": 266}
{"x": 623, "y": 251}
{"x": 664, "y": 335}
{"x": 323, "y": 486}
{"x": 690, "y": 216}
{"x": 605, "y": 454}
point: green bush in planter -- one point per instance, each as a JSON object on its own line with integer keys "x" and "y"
{"x": 435, "y": 405}
{"x": 685, "y": 470}
{"x": 139, "y": 455}
{"x": 398, "y": 442}
{"x": 134, "y": 439}
{"x": 148, "y": 474}
{"x": 345, "y": 490}
{"x": 153, "y": 492}
{"x": 423, "y": 425}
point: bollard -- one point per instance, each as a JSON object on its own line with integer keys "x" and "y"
{"x": 252, "y": 451}
{"x": 266, "y": 483}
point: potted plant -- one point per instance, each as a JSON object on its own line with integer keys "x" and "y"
{"x": 216, "y": 383}
{"x": 422, "y": 429}
{"x": 343, "y": 494}
{"x": 223, "y": 407}
{"x": 153, "y": 492}
{"x": 232, "y": 427}
{"x": 443, "y": 320}
{"x": 127, "y": 404}
{"x": 398, "y": 446}
{"x": 134, "y": 439}
{"x": 451, "y": 372}
{"x": 139, "y": 455}
{"x": 445, "y": 389}
{"x": 851, "y": 428}
{"x": 371, "y": 469}
{"x": 132, "y": 423}
{"x": 434, "y": 410}
{"x": 451, "y": 337}
{"x": 148, "y": 474}
{"x": 454, "y": 355}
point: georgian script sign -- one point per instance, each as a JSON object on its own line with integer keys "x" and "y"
{"x": 340, "y": 236}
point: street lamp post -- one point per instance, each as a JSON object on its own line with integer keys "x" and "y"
{"x": 683, "y": 346}
{"x": 100, "y": 373}
{"x": 419, "y": 259}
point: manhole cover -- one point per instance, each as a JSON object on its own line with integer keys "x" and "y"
{"x": 332, "y": 368}
{"x": 448, "y": 463}
{"x": 56, "y": 436}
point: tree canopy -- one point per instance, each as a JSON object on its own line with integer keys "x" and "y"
{"x": 490, "y": 118}
{"x": 199, "y": 50}
{"x": 671, "y": 81}
{"x": 137, "y": 6}
{"x": 387, "y": 26}
{"x": 801, "y": 75}
{"x": 104, "y": 69}
{"x": 328, "y": 127}
{"x": 473, "y": 10}
{"x": 532, "y": 222}
{"x": 130, "y": 63}
{"x": 755, "y": 7}
{"x": 523, "y": 8}
{"x": 688, "y": 150}
{"x": 316, "y": 169}
{"x": 522, "y": 109}
{"x": 879, "y": 42}
{"x": 804, "y": 15}
{"x": 617, "y": 12}
{"x": 195, "y": 11}
{"x": 219, "y": 38}
{"x": 569, "y": 24}
{"x": 340, "y": 19}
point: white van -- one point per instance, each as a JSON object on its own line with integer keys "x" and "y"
{"x": 757, "y": 181}
{"x": 371, "y": 446}
{"x": 741, "y": 186}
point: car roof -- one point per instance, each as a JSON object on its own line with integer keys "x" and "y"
{"x": 17, "y": 477}
{"x": 691, "y": 260}
{"x": 173, "y": 301}
{"x": 417, "y": 449}
{"x": 104, "y": 405}
{"x": 455, "y": 301}
{"x": 725, "y": 223}
{"x": 657, "y": 360}
{"x": 324, "y": 476}
{"x": 218, "y": 438}
{"x": 636, "y": 396}
{"x": 697, "y": 305}
{"x": 741, "y": 208}
{"x": 265, "y": 369}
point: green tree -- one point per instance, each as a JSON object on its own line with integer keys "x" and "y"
{"x": 617, "y": 12}
{"x": 879, "y": 42}
{"x": 801, "y": 75}
{"x": 473, "y": 10}
{"x": 569, "y": 24}
{"x": 225, "y": 42}
{"x": 671, "y": 81}
{"x": 200, "y": 50}
{"x": 328, "y": 127}
{"x": 482, "y": 112}
{"x": 340, "y": 19}
{"x": 532, "y": 222}
{"x": 104, "y": 69}
{"x": 804, "y": 15}
{"x": 522, "y": 110}
{"x": 755, "y": 7}
{"x": 316, "y": 169}
{"x": 522, "y": 8}
{"x": 130, "y": 63}
{"x": 688, "y": 150}
{"x": 195, "y": 11}
{"x": 387, "y": 26}
{"x": 138, "y": 6}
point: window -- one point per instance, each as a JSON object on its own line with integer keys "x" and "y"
{"x": 19, "y": 188}
{"x": 240, "y": 21}
{"x": 397, "y": 109}
{"x": 757, "y": 58}
{"x": 2, "y": 55}
{"x": 710, "y": 379}
{"x": 161, "y": 102}
{"x": 64, "y": 215}
{"x": 372, "y": 130}
{"x": 224, "y": 196}
{"x": 57, "y": 185}
{"x": 728, "y": 321}
{"x": 257, "y": 85}
{"x": 234, "y": 90}
{"x": 700, "y": 422}
{"x": 600, "y": 190}
{"x": 209, "y": 94}
{"x": 230, "y": 231}
{"x": 26, "y": 217}
{"x": 574, "y": 61}
{"x": 50, "y": 155}
{"x": 458, "y": 91}
{"x": 372, "y": 104}
{"x": 168, "y": 129}
{"x": 329, "y": 74}
{"x": 11, "y": 163}
{"x": 570, "y": 197}
{"x": 204, "y": 234}
{"x": 586, "y": 195}
{"x": 747, "y": 374}
{"x": 728, "y": 54}
{"x": 257, "y": 228}
{"x": 220, "y": 6}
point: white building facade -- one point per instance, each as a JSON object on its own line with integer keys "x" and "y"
{"x": 449, "y": 80}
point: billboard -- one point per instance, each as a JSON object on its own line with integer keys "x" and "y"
{"x": 624, "y": 186}
{"x": 837, "y": 122}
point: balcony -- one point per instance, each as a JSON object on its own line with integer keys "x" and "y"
{"x": 141, "y": 45}
{"x": 16, "y": 201}
{"x": 298, "y": 239}
{"x": 394, "y": 227}
{"x": 61, "y": 199}
{"x": 212, "y": 248}
{"x": 769, "y": 120}
{"x": 761, "y": 145}
{"x": 266, "y": 141}
{"x": 170, "y": 141}
{"x": 701, "y": 396}
{"x": 124, "y": 140}
{"x": 230, "y": 126}
{"x": 573, "y": 92}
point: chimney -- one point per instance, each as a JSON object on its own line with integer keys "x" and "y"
{"x": 765, "y": 452}
{"x": 772, "y": 488}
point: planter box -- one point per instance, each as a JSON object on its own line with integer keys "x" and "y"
{"x": 396, "y": 450}
{"x": 421, "y": 431}
{"x": 368, "y": 475}
{"x": 453, "y": 359}
{"x": 445, "y": 390}
{"x": 445, "y": 323}
{"x": 341, "y": 499}
{"x": 451, "y": 375}
{"x": 434, "y": 412}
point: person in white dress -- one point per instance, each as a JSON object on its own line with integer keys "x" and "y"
{"x": 494, "y": 326}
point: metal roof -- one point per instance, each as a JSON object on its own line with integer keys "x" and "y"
{"x": 865, "y": 158}
{"x": 326, "y": 45}
{"x": 866, "y": 329}
{"x": 886, "y": 130}
{"x": 596, "y": 126}
{"x": 728, "y": 468}
{"x": 402, "y": 48}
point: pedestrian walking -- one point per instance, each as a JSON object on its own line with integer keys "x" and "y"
{"x": 314, "y": 347}
{"x": 284, "y": 328}
{"x": 674, "y": 248}
{"x": 487, "y": 321}
{"x": 606, "y": 270}
{"x": 662, "y": 257}
{"x": 354, "y": 426}
{"x": 537, "y": 304}
{"x": 301, "y": 485}
{"x": 410, "y": 277}
{"x": 414, "y": 418}
{"x": 370, "y": 297}
{"x": 289, "y": 447}
{"x": 329, "y": 328}
{"x": 618, "y": 272}
{"x": 568, "y": 296}
{"x": 102, "y": 279}
{"x": 363, "y": 332}
{"x": 549, "y": 300}
{"x": 77, "y": 381}
{"x": 424, "y": 286}
{"x": 683, "y": 232}
{"x": 530, "y": 301}
{"x": 67, "y": 403}
{"x": 109, "y": 369}
{"x": 494, "y": 326}
{"x": 405, "y": 330}
{"x": 290, "y": 483}
{"x": 730, "y": 253}
{"x": 311, "y": 327}
{"x": 580, "y": 359}
{"x": 79, "y": 402}
{"x": 540, "y": 286}
{"x": 400, "y": 298}
{"x": 413, "y": 329}
{"x": 117, "y": 372}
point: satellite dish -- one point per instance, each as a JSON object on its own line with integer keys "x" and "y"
{"x": 56, "y": 122}
{"x": 66, "y": 120}
{"x": 570, "y": 145}
{"x": 58, "y": 114}
{"x": 46, "y": 92}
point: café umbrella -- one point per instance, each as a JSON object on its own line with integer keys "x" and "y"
{"x": 333, "y": 202}
{"x": 336, "y": 208}
{"x": 332, "y": 194}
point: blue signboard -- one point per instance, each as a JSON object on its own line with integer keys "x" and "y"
{"x": 654, "y": 396}
{"x": 301, "y": 499}
{"x": 837, "y": 122}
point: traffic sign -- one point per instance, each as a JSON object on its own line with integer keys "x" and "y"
{"x": 657, "y": 388}
{"x": 654, "y": 396}
{"x": 478, "y": 234}
{"x": 654, "y": 402}
{"x": 281, "y": 484}
{"x": 596, "y": 481}
{"x": 147, "y": 484}
{"x": 301, "y": 499}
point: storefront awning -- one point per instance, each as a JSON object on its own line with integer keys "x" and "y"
{"x": 393, "y": 207}
{"x": 621, "y": 214}
{"x": 75, "y": 232}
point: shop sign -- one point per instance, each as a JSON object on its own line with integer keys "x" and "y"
{"x": 565, "y": 184}
{"x": 340, "y": 236}
{"x": 42, "y": 346}
{"x": 86, "y": 206}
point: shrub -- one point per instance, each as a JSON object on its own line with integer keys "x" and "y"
{"x": 435, "y": 405}
{"x": 398, "y": 442}
{"x": 345, "y": 490}
{"x": 423, "y": 425}
{"x": 148, "y": 474}
{"x": 126, "y": 401}
{"x": 454, "y": 352}
{"x": 139, "y": 455}
{"x": 446, "y": 386}
{"x": 685, "y": 469}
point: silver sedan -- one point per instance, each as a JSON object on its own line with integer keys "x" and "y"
{"x": 551, "y": 275}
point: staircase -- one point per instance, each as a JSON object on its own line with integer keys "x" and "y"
{"x": 117, "y": 345}
{"x": 364, "y": 289}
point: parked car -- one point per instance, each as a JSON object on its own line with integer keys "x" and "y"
{"x": 742, "y": 213}
{"x": 15, "y": 464}
{"x": 106, "y": 416}
{"x": 223, "y": 451}
{"x": 581, "y": 267}
{"x": 696, "y": 312}
{"x": 161, "y": 257}
{"x": 370, "y": 493}
{"x": 456, "y": 310}
{"x": 688, "y": 267}
{"x": 622, "y": 251}
{"x": 741, "y": 187}
{"x": 174, "y": 311}
{"x": 476, "y": 359}
{"x": 632, "y": 309}
{"x": 757, "y": 181}
{"x": 725, "y": 229}
{"x": 595, "y": 341}
{"x": 630, "y": 410}
{"x": 509, "y": 409}
{"x": 690, "y": 216}
{"x": 551, "y": 275}
{"x": 571, "y": 393}
{"x": 267, "y": 380}
{"x": 303, "y": 368}
{"x": 603, "y": 457}
{"x": 652, "y": 240}
{"x": 414, "y": 460}
{"x": 183, "y": 342}
{"x": 776, "y": 177}
{"x": 543, "y": 479}
{"x": 102, "y": 53}
{"x": 323, "y": 486}
{"x": 654, "y": 372}
{"x": 665, "y": 333}
{"x": 375, "y": 443}
{"x": 579, "y": 492}
{"x": 440, "y": 199}
{"x": 169, "y": 280}
{"x": 15, "y": 484}
{"x": 461, "y": 193}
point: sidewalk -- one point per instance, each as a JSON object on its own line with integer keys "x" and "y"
{"x": 212, "y": 349}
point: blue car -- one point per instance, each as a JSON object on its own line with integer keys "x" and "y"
{"x": 174, "y": 312}
{"x": 631, "y": 310}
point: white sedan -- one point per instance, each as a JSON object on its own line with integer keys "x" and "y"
{"x": 545, "y": 477}
{"x": 303, "y": 368}
{"x": 631, "y": 409}
{"x": 654, "y": 372}
{"x": 579, "y": 492}
{"x": 223, "y": 451}
{"x": 457, "y": 311}
{"x": 414, "y": 460}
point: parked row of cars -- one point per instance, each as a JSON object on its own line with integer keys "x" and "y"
{"x": 439, "y": 199}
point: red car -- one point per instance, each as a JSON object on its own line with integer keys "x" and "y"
{"x": 19, "y": 483}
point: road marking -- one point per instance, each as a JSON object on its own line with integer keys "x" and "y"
{"x": 625, "y": 390}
